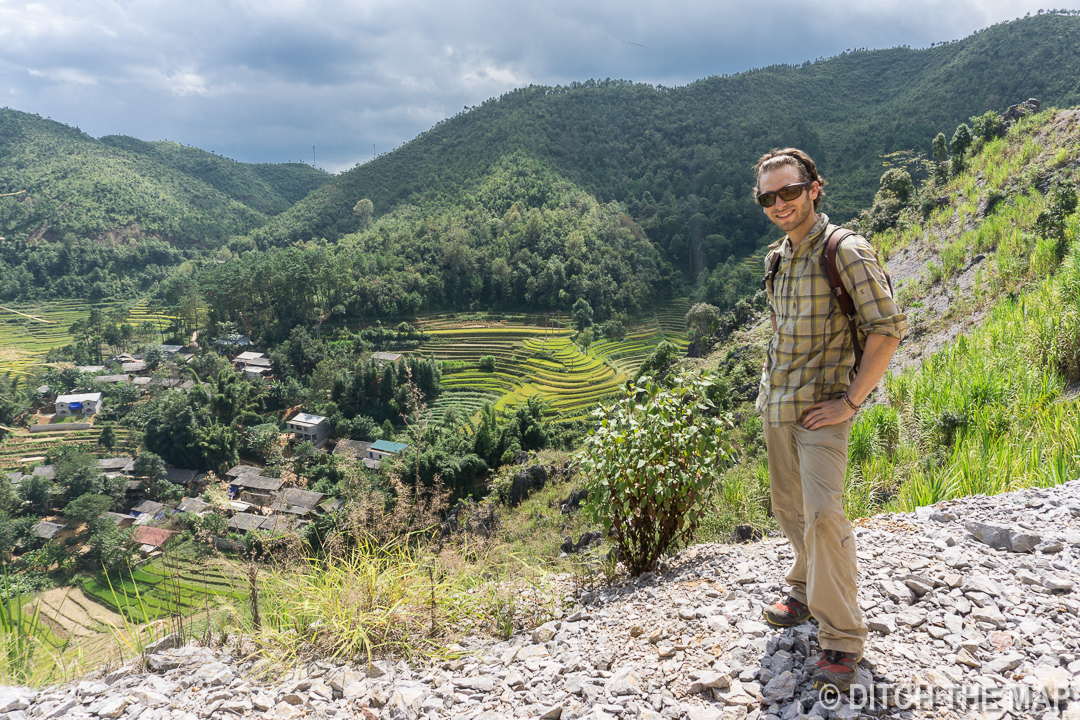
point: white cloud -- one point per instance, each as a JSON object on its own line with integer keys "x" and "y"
{"x": 262, "y": 80}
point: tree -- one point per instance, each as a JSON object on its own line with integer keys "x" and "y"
{"x": 987, "y": 126}
{"x": 111, "y": 548}
{"x": 87, "y": 509}
{"x": 107, "y": 438}
{"x": 149, "y": 466}
{"x": 700, "y": 318}
{"x": 78, "y": 473}
{"x": 961, "y": 141}
{"x": 898, "y": 183}
{"x": 7, "y": 533}
{"x": 940, "y": 148}
{"x": 364, "y": 209}
{"x": 36, "y": 491}
{"x": 582, "y": 314}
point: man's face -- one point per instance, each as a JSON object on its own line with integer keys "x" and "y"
{"x": 789, "y": 215}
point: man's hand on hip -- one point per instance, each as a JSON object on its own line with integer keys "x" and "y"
{"x": 827, "y": 412}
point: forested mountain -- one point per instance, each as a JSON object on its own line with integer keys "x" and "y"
{"x": 106, "y": 217}
{"x": 679, "y": 158}
{"x": 662, "y": 174}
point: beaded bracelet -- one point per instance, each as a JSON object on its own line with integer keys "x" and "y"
{"x": 853, "y": 406}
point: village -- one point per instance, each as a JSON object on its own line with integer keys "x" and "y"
{"x": 254, "y": 501}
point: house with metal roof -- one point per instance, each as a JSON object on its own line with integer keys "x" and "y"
{"x": 385, "y": 356}
{"x": 78, "y": 404}
{"x": 147, "y": 507}
{"x": 385, "y": 448}
{"x": 194, "y": 505}
{"x": 119, "y": 519}
{"x": 312, "y": 428}
{"x": 183, "y": 476}
{"x": 352, "y": 449}
{"x": 47, "y": 530}
{"x": 117, "y": 465}
{"x": 297, "y": 502}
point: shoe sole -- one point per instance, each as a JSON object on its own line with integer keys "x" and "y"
{"x": 787, "y": 624}
{"x": 819, "y": 684}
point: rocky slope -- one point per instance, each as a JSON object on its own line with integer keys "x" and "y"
{"x": 972, "y": 605}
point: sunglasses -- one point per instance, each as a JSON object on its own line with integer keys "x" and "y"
{"x": 786, "y": 193}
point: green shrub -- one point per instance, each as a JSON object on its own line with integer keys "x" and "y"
{"x": 650, "y": 465}
{"x": 487, "y": 363}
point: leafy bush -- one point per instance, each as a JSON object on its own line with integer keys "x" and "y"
{"x": 487, "y": 363}
{"x": 650, "y": 465}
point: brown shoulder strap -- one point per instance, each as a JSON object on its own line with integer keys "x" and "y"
{"x": 771, "y": 272}
{"x": 836, "y": 285}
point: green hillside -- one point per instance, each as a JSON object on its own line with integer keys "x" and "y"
{"x": 107, "y": 218}
{"x": 679, "y": 158}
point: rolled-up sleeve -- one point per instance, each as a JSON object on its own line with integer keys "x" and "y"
{"x": 863, "y": 277}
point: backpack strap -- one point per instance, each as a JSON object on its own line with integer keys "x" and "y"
{"x": 843, "y": 299}
{"x": 774, "y": 266}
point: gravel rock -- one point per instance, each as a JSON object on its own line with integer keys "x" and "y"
{"x": 993, "y": 607}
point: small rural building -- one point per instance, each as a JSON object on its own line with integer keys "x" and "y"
{"x": 92, "y": 369}
{"x": 238, "y": 470}
{"x": 312, "y": 428}
{"x": 385, "y": 356}
{"x": 46, "y": 471}
{"x": 195, "y": 506}
{"x": 255, "y": 488}
{"x": 15, "y": 478}
{"x": 147, "y": 507}
{"x": 120, "y": 520}
{"x": 113, "y": 379}
{"x": 252, "y": 363}
{"x": 80, "y": 404}
{"x": 47, "y": 530}
{"x": 183, "y": 476}
{"x": 385, "y": 448}
{"x": 295, "y": 501}
{"x": 152, "y": 538}
{"x": 352, "y": 449}
{"x": 170, "y": 350}
{"x": 242, "y": 522}
{"x": 114, "y": 466}
{"x": 278, "y": 524}
{"x": 134, "y": 367}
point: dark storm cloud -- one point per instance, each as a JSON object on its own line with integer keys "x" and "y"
{"x": 265, "y": 80}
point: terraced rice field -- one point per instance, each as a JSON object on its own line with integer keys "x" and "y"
{"x": 14, "y": 453}
{"x": 24, "y": 341}
{"x": 536, "y": 357}
{"x": 165, "y": 587}
{"x": 83, "y": 627}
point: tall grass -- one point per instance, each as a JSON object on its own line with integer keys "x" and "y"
{"x": 29, "y": 655}
{"x": 989, "y": 413}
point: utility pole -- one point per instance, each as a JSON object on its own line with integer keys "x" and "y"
{"x": 312, "y": 156}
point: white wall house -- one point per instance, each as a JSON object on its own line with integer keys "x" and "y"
{"x": 313, "y": 428}
{"x": 82, "y": 404}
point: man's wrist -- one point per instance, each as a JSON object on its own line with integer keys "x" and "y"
{"x": 851, "y": 406}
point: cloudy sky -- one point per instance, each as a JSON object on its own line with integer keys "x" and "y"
{"x": 265, "y": 80}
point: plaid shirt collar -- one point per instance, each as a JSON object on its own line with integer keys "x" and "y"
{"x": 811, "y": 239}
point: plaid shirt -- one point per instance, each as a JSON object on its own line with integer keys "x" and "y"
{"x": 810, "y": 358}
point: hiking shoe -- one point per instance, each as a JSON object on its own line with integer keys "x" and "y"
{"x": 836, "y": 669}
{"x": 787, "y": 613}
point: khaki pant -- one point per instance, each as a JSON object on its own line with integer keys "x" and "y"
{"x": 806, "y": 478}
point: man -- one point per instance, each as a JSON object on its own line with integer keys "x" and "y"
{"x": 810, "y": 390}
